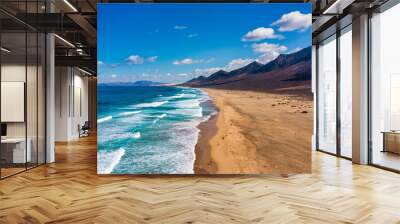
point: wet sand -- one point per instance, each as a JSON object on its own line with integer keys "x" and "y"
{"x": 204, "y": 163}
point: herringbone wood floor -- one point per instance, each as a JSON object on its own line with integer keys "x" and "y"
{"x": 69, "y": 191}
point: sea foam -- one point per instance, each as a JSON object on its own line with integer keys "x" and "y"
{"x": 134, "y": 135}
{"x": 190, "y": 103}
{"x": 159, "y": 117}
{"x": 152, "y": 104}
{"x": 106, "y": 161}
{"x": 127, "y": 113}
{"x": 104, "y": 119}
{"x": 175, "y": 96}
{"x": 162, "y": 115}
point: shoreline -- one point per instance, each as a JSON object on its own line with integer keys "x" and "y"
{"x": 203, "y": 163}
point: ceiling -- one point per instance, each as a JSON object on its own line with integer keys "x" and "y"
{"x": 75, "y": 22}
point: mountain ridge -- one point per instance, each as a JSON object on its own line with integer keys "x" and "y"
{"x": 293, "y": 67}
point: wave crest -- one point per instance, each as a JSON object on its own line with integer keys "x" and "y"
{"x": 152, "y": 104}
{"x": 104, "y": 119}
{"x": 106, "y": 161}
{"x": 134, "y": 135}
{"x": 127, "y": 113}
{"x": 162, "y": 115}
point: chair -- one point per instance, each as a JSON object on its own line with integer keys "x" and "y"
{"x": 84, "y": 130}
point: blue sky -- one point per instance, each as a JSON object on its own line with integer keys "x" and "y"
{"x": 173, "y": 43}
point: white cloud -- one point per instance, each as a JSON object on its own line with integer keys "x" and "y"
{"x": 152, "y": 58}
{"x": 186, "y": 61}
{"x": 177, "y": 27}
{"x": 192, "y": 35}
{"x": 237, "y": 63}
{"x": 267, "y": 57}
{"x": 293, "y": 21}
{"x": 266, "y": 47}
{"x": 100, "y": 63}
{"x": 145, "y": 75}
{"x": 189, "y": 61}
{"x": 182, "y": 74}
{"x": 269, "y": 51}
{"x": 260, "y": 33}
{"x": 135, "y": 59}
{"x": 232, "y": 65}
{"x": 205, "y": 71}
{"x": 114, "y": 76}
{"x": 294, "y": 50}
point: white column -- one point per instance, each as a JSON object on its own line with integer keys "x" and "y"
{"x": 63, "y": 101}
{"x": 314, "y": 91}
{"x": 50, "y": 98}
{"x": 360, "y": 90}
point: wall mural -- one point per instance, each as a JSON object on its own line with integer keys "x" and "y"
{"x": 204, "y": 88}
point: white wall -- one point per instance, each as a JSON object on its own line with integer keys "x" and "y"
{"x": 81, "y": 89}
{"x": 314, "y": 91}
{"x": 62, "y": 81}
{"x": 71, "y": 87}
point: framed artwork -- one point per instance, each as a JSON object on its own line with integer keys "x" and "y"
{"x": 204, "y": 88}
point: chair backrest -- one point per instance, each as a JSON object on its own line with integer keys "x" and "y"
{"x": 86, "y": 125}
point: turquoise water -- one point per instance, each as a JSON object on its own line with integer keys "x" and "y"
{"x": 149, "y": 130}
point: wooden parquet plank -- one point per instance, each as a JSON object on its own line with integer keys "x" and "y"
{"x": 70, "y": 191}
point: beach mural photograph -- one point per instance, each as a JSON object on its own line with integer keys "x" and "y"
{"x": 204, "y": 88}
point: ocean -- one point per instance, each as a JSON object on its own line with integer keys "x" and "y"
{"x": 149, "y": 130}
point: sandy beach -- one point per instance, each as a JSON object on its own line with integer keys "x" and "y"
{"x": 256, "y": 132}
